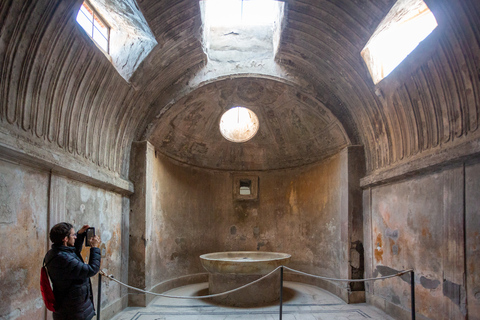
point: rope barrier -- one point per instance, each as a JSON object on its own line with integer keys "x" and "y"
{"x": 111, "y": 277}
{"x": 190, "y": 297}
{"x": 350, "y": 280}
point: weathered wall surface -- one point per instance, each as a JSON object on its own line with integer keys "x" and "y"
{"x": 419, "y": 223}
{"x": 472, "y": 232}
{"x": 23, "y": 227}
{"x": 31, "y": 203}
{"x": 194, "y": 212}
{"x": 140, "y": 222}
{"x": 81, "y": 204}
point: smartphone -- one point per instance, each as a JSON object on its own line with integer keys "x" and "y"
{"x": 90, "y": 235}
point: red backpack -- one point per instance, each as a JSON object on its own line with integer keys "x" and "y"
{"x": 46, "y": 289}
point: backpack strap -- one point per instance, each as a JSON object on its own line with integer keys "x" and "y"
{"x": 45, "y": 264}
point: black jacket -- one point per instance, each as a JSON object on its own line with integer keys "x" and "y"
{"x": 70, "y": 277}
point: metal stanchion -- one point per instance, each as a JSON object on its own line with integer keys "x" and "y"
{"x": 281, "y": 291}
{"x": 99, "y": 299}
{"x": 412, "y": 284}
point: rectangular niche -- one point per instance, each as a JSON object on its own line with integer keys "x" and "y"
{"x": 245, "y": 187}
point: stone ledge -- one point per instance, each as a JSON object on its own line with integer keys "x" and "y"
{"x": 142, "y": 299}
{"x": 356, "y": 297}
{"x": 395, "y": 311}
{"x": 350, "y": 297}
{"x": 114, "y": 308}
{"x": 423, "y": 163}
{"x": 341, "y": 292}
{"x": 16, "y": 150}
{"x": 136, "y": 299}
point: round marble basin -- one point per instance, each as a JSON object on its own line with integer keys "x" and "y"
{"x": 233, "y": 269}
{"x": 243, "y": 262}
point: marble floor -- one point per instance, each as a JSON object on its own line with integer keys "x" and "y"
{"x": 301, "y": 302}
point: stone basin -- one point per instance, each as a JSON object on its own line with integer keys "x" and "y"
{"x": 233, "y": 269}
{"x": 243, "y": 262}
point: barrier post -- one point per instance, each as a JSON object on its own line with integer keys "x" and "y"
{"x": 412, "y": 285}
{"x": 281, "y": 291}
{"x": 99, "y": 298}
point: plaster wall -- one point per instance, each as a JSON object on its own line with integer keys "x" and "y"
{"x": 23, "y": 228}
{"x": 428, "y": 223}
{"x": 472, "y": 239}
{"x": 193, "y": 211}
{"x": 82, "y": 204}
{"x": 32, "y": 201}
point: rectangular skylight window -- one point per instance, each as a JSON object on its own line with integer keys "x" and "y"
{"x": 407, "y": 24}
{"x": 94, "y": 25}
{"x": 238, "y": 31}
{"x": 221, "y": 13}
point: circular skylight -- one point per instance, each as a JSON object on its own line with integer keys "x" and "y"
{"x": 239, "y": 124}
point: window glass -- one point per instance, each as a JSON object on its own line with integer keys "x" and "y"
{"x": 94, "y": 25}
{"x": 407, "y": 24}
{"x": 233, "y": 12}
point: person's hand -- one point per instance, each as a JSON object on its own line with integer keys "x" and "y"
{"x": 82, "y": 230}
{"x": 95, "y": 241}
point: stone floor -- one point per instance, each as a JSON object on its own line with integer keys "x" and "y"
{"x": 301, "y": 302}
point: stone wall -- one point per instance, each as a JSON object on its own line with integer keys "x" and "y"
{"x": 32, "y": 201}
{"x": 428, "y": 223}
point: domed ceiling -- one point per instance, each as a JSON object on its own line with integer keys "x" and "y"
{"x": 295, "y": 129}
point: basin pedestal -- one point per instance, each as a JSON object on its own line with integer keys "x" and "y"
{"x": 231, "y": 270}
{"x": 258, "y": 294}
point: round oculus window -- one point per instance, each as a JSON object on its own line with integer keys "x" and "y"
{"x": 239, "y": 124}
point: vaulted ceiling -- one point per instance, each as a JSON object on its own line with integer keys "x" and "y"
{"x": 59, "y": 91}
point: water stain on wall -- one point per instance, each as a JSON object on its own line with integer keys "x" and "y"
{"x": 256, "y": 232}
{"x": 387, "y": 271}
{"x": 393, "y": 236}
{"x": 292, "y": 200}
{"x": 396, "y": 299}
{"x": 7, "y": 213}
{"x": 428, "y": 283}
{"x": 378, "y": 248}
{"x": 453, "y": 291}
{"x": 260, "y": 244}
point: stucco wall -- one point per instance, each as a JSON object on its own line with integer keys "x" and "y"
{"x": 23, "y": 225}
{"x": 81, "y": 204}
{"x": 297, "y": 212}
{"x": 32, "y": 201}
{"x": 472, "y": 238}
{"x": 422, "y": 223}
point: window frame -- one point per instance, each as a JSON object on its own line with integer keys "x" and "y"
{"x": 416, "y": 58}
{"x": 100, "y": 19}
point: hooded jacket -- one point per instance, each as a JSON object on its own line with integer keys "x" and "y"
{"x": 70, "y": 277}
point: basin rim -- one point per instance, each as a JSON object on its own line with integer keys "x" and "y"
{"x": 279, "y": 256}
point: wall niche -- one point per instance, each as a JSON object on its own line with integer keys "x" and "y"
{"x": 245, "y": 187}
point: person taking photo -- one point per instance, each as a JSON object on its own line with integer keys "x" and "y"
{"x": 69, "y": 275}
